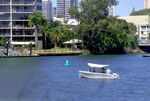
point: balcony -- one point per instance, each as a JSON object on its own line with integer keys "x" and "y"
{"x": 4, "y": 25}
{"x": 5, "y": 17}
{"x": 21, "y": 27}
{"x": 22, "y": 2}
{"x": 4, "y": 2}
{"x": 20, "y": 17}
{"x": 22, "y": 9}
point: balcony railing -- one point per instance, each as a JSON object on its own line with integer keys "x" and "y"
{"x": 21, "y": 27}
{"x": 22, "y": 2}
{"x": 25, "y": 34}
{"x": 4, "y": 26}
{"x": 4, "y": 2}
{"x": 4, "y": 18}
{"x": 22, "y": 10}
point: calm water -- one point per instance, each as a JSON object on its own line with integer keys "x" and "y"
{"x": 46, "y": 79}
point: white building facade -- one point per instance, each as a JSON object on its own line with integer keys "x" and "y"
{"x": 142, "y": 24}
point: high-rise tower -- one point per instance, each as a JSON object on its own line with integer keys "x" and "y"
{"x": 146, "y": 4}
{"x": 47, "y": 9}
{"x": 63, "y": 7}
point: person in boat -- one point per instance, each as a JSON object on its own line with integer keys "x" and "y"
{"x": 102, "y": 70}
{"x": 90, "y": 70}
{"x": 108, "y": 71}
{"x": 94, "y": 70}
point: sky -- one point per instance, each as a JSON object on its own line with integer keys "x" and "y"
{"x": 124, "y": 8}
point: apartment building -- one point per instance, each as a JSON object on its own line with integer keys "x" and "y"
{"x": 14, "y": 21}
{"x": 142, "y": 24}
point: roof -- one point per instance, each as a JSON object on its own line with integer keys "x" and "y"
{"x": 97, "y": 65}
{"x": 69, "y": 21}
{"x": 73, "y": 41}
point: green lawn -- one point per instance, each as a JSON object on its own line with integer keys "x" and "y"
{"x": 57, "y": 50}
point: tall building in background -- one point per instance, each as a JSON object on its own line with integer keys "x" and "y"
{"x": 54, "y": 12}
{"x": 47, "y": 9}
{"x": 14, "y": 21}
{"x": 63, "y": 7}
{"x": 146, "y": 4}
{"x": 111, "y": 11}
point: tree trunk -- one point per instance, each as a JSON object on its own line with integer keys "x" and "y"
{"x": 82, "y": 41}
{"x": 36, "y": 38}
{"x": 45, "y": 41}
{"x": 55, "y": 45}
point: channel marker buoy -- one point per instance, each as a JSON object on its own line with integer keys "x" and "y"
{"x": 67, "y": 63}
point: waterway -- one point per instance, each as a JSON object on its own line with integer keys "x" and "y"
{"x": 47, "y": 79}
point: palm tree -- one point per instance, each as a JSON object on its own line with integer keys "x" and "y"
{"x": 55, "y": 35}
{"x": 45, "y": 30}
{"x": 37, "y": 20}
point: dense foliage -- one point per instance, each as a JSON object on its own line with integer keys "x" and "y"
{"x": 141, "y": 12}
{"x": 102, "y": 33}
{"x": 56, "y": 32}
{"x": 37, "y": 20}
{"x": 99, "y": 32}
{"x": 3, "y": 41}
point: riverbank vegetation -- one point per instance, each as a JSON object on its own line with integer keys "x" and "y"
{"x": 103, "y": 33}
{"x": 141, "y": 12}
{"x": 99, "y": 32}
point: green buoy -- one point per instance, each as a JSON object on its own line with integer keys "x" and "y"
{"x": 67, "y": 63}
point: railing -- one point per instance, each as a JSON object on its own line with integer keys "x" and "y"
{"x": 22, "y": 2}
{"x": 20, "y": 17}
{"x": 4, "y": 10}
{"x": 4, "y": 18}
{"x": 22, "y": 10}
{"x": 4, "y": 25}
{"x": 4, "y": 2}
{"x": 143, "y": 42}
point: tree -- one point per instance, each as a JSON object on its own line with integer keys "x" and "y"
{"x": 3, "y": 41}
{"x": 101, "y": 33}
{"x": 55, "y": 35}
{"x": 60, "y": 16}
{"x": 45, "y": 30}
{"x": 37, "y": 20}
{"x": 141, "y": 12}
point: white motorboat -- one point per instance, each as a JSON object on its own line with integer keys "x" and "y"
{"x": 98, "y": 74}
{"x": 146, "y": 55}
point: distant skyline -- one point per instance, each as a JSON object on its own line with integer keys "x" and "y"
{"x": 124, "y": 8}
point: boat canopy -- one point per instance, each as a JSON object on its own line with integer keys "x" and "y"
{"x": 97, "y": 65}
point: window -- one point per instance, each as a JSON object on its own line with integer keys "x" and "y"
{"x": 39, "y": 8}
{"x": 40, "y": 1}
{"x": 142, "y": 32}
{"x": 143, "y": 27}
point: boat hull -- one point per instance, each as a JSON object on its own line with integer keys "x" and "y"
{"x": 93, "y": 75}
